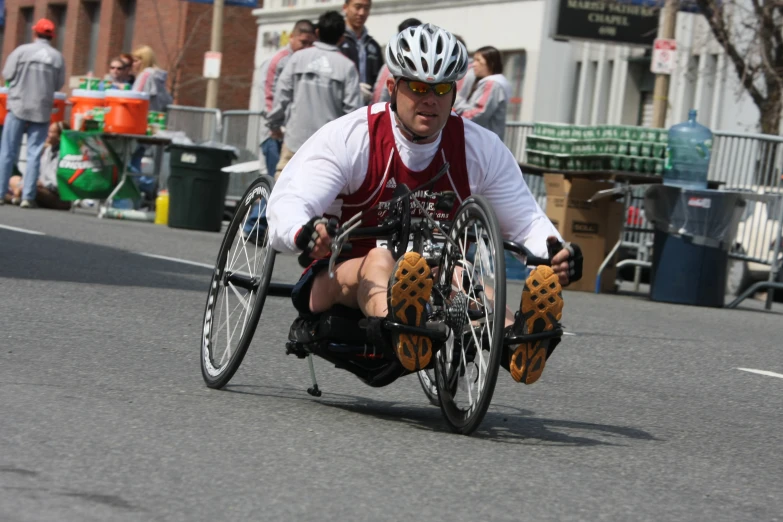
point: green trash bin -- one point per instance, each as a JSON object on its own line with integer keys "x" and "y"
{"x": 197, "y": 187}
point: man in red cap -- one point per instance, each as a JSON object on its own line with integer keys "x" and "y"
{"x": 34, "y": 72}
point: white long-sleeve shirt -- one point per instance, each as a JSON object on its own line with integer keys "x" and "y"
{"x": 334, "y": 161}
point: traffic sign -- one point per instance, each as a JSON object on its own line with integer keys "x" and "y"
{"x": 664, "y": 56}
{"x": 212, "y": 64}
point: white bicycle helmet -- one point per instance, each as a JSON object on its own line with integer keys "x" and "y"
{"x": 427, "y": 53}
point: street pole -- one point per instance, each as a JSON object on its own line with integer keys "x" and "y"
{"x": 661, "y": 91}
{"x": 215, "y": 46}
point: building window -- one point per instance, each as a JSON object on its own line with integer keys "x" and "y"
{"x": 57, "y": 13}
{"x": 514, "y": 65}
{"x": 129, "y": 10}
{"x": 575, "y": 92}
{"x": 26, "y": 19}
{"x": 709, "y": 71}
{"x": 689, "y": 90}
{"x": 93, "y": 10}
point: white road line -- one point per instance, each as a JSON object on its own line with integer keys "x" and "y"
{"x": 569, "y": 333}
{"x": 177, "y": 260}
{"x": 23, "y": 230}
{"x": 762, "y": 372}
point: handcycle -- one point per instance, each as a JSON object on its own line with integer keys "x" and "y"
{"x": 466, "y": 312}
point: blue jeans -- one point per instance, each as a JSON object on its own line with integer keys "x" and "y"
{"x": 13, "y": 130}
{"x": 271, "y": 150}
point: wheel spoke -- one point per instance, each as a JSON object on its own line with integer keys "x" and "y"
{"x": 239, "y": 296}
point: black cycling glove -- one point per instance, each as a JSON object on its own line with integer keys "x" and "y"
{"x": 575, "y": 259}
{"x": 307, "y": 236}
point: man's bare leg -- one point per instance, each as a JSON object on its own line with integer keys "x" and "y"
{"x": 364, "y": 283}
{"x": 358, "y": 283}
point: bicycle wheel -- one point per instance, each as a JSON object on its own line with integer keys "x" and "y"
{"x": 238, "y": 288}
{"x": 427, "y": 381}
{"x": 473, "y": 286}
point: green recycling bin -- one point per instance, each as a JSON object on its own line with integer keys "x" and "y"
{"x": 197, "y": 187}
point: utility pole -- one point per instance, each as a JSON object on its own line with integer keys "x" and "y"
{"x": 216, "y": 45}
{"x": 661, "y": 91}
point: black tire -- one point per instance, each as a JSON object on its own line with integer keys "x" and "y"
{"x": 475, "y": 347}
{"x": 248, "y": 282}
{"x": 427, "y": 382}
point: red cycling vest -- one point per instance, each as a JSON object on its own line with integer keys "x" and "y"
{"x": 386, "y": 170}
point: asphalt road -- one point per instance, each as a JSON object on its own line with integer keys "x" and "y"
{"x": 642, "y": 415}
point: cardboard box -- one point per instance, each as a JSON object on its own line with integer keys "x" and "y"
{"x": 595, "y": 226}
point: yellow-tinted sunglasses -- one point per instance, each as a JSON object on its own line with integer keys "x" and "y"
{"x": 422, "y": 88}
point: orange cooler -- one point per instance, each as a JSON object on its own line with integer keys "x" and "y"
{"x": 83, "y": 102}
{"x": 3, "y": 102}
{"x": 58, "y": 108}
{"x": 126, "y": 112}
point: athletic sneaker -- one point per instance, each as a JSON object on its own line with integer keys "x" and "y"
{"x": 409, "y": 292}
{"x": 540, "y": 310}
{"x": 28, "y": 203}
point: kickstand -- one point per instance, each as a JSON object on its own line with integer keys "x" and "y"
{"x": 314, "y": 391}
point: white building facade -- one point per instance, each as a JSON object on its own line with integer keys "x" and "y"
{"x": 552, "y": 81}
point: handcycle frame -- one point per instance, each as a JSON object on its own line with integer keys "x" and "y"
{"x": 465, "y": 314}
{"x": 344, "y": 356}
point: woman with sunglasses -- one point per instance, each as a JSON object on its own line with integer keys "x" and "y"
{"x": 487, "y": 101}
{"x": 357, "y": 161}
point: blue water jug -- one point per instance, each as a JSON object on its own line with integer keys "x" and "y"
{"x": 688, "y": 154}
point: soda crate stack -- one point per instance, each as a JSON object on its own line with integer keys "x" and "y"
{"x": 564, "y": 147}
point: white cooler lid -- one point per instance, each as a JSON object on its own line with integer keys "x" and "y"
{"x": 84, "y": 93}
{"x": 3, "y": 90}
{"x": 60, "y": 96}
{"x": 133, "y": 95}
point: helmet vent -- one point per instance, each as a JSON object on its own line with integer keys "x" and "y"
{"x": 423, "y": 44}
{"x": 404, "y": 45}
{"x": 438, "y": 65}
{"x": 425, "y": 66}
{"x": 439, "y": 45}
{"x": 409, "y": 64}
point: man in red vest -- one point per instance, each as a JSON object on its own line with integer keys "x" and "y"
{"x": 356, "y": 161}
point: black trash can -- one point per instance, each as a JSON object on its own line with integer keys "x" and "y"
{"x": 694, "y": 232}
{"x": 197, "y": 187}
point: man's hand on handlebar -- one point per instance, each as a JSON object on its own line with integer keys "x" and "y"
{"x": 566, "y": 260}
{"x": 315, "y": 238}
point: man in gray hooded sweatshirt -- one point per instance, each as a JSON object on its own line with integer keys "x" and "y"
{"x": 317, "y": 85}
{"x": 34, "y": 72}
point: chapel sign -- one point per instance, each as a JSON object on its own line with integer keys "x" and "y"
{"x": 633, "y": 22}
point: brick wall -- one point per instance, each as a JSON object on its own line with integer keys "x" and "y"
{"x": 239, "y": 37}
{"x": 177, "y": 30}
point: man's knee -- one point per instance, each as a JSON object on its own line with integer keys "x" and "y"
{"x": 379, "y": 258}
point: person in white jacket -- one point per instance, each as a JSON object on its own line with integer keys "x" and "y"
{"x": 355, "y": 162}
{"x": 487, "y": 101}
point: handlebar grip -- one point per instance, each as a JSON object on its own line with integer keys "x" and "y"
{"x": 304, "y": 260}
{"x": 538, "y": 261}
{"x": 332, "y": 227}
{"x": 553, "y": 248}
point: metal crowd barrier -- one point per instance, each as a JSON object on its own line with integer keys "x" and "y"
{"x": 198, "y": 123}
{"x": 242, "y": 129}
{"x": 753, "y": 163}
{"x": 516, "y": 141}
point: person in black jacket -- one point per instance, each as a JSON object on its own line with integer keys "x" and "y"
{"x": 359, "y": 46}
